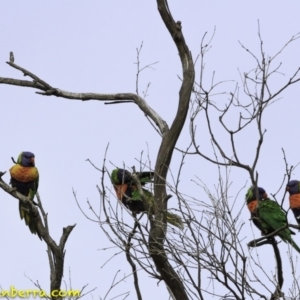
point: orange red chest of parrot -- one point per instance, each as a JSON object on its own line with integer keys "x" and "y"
{"x": 293, "y": 187}
{"x": 25, "y": 179}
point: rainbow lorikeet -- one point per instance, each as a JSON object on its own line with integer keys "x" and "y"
{"x": 293, "y": 187}
{"x": 271, "y": 218}
{"x": 25, "y": 178}
{"x": 252, "y": 203}
{"x": 127, "y": 192}
{"x": 124, "y": 187}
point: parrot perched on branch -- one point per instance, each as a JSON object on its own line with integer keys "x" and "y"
{"x": 293, "y": 187}
{"x": 128, "y": 193}
{"x": 252, "y": 203}
{"x": 25, "y": 178}
{"x": 271, "y": 217}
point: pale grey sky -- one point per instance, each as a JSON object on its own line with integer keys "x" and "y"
{"x": 90, "y": 46}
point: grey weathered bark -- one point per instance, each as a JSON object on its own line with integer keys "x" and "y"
{"x": 164, "y": 156}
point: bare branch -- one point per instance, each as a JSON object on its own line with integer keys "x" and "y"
{"x": 48, "y": 90}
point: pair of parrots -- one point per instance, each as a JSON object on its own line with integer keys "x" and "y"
{"x": 127, "y": 192}
{"x": 268, "y": 216}
{"x": 25, "y": 178}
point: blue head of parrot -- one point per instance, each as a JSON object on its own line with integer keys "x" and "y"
{"x": 26, "y": 159}
{"x": 252, "y": 196}
{"x": 293, "y": 187}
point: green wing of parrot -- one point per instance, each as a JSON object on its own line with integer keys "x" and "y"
{"x": 272, "y": 218}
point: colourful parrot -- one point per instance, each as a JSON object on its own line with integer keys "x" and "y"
{"x": 252, "y": 203}
{"x": 25, "y": 178}
{"x": 271, "y": 218}
{"x": 293, "y": 187}
{"x": 127, "y": 192}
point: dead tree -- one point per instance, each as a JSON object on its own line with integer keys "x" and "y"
{"x": 210, "y": 246}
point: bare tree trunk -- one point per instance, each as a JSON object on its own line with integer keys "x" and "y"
{"x": 164, "y": 156}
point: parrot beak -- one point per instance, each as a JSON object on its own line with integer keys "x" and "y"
{"x": 265, "y": 195}
{"x": 287, "y": 188}
{"x": 32, "y": 160}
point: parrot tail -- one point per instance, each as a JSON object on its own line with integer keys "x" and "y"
{"x": 175, "y": 220}
{"x": 295, "y": 246}
{"x": 29, "y": 219}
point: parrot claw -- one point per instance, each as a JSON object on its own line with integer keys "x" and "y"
{"x": 14, "y": 189}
